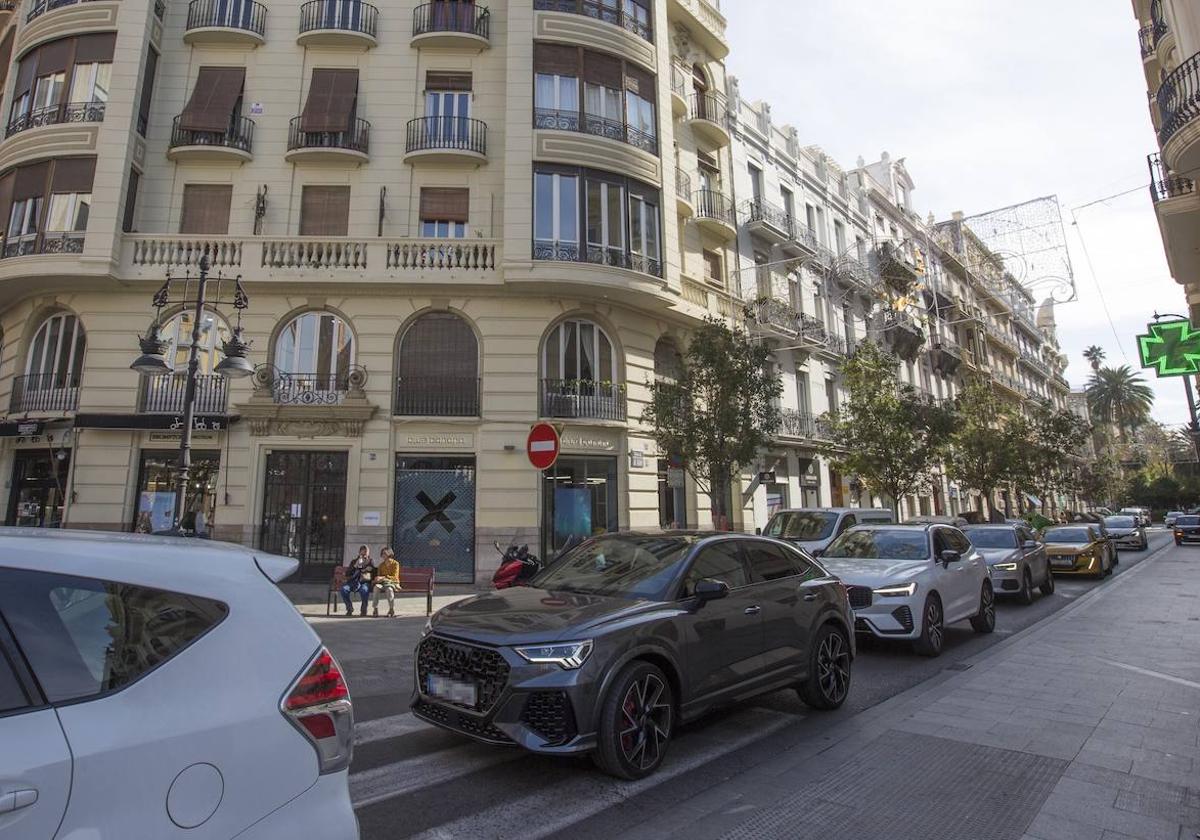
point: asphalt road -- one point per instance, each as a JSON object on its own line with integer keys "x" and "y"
{"x": 412, "y": 780}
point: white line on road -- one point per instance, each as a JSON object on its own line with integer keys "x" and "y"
{"x": 1149, "y": 673}
{"x": 387, "y": 727}
{"x": 422, "y": 771}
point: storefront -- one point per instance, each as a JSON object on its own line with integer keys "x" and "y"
{"x": 39, "y": 487}
{"x": 304, "y": 509}
{"x": 672, "y": 494}
{"x": 579, "y": 498}
{"x": 434, "y": 523}
{"x": 154, "y": 507}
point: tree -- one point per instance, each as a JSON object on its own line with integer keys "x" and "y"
{"x": 719, "y": 410}
{"x": 887, "y": 434}
{"x": 1100, "y": 481}
{"x": 1094, "y": 356}
{"x": 1054, "y": 438}
{"x": 1121, "y": 397}
{"x": 985, "y": 449}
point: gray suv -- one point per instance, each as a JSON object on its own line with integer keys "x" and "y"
{"x": 628, "y": 635}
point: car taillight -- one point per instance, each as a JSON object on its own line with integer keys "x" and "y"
{"x": 318, "y": 705}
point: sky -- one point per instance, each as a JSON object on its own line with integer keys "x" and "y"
{"x": 990, "y": 103}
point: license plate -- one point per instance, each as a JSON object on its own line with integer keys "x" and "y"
{"x": 453, "y": 691}
{"x": 1062, "y": 562}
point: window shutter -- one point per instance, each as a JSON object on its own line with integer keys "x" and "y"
{"x": 6, "y": 196}
{"x": 31, "y": 181}
{"x": 6, "y": 48}
{"x": 448, "y": 81}
{"x": 99, "y": 47}
{"x": 332, "y": 96}
{"x": 556, "y": 59}
{"x": 444, "y": 204}
{"x": 148, "y": 85}
{"x": 603, "y": 70}
{"x": 324, "y": 211}
{"x": 206, "y": 208}
{"x": 55, "y": 56}
{"x": 216, "y": 93}
{"x": 640, "y": 82}
{"x": 73, "y": 175}
{"x": 131, "y": 191}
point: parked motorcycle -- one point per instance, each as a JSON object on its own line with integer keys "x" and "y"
{"x": 517, "y": 566}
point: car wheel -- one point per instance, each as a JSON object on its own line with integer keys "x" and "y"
{"x": 1116, "y": 559}
{"x": 933, "y": 628}
{"x": 635, "y": 722}
{"x": 1025, "y": 596}
{"x": 828, "y": 680}
{"x": 1047, "y": 587}
{"x": 985, "y": 620}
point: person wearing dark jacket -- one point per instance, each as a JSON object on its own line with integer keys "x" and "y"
{"x": 358, "y": 579}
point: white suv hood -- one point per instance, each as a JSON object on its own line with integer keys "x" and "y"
{"x": 874, "y": 573}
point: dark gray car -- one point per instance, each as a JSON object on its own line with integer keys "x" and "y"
{"x": 1016, "y": 559}
{"x": 628, "y": 635}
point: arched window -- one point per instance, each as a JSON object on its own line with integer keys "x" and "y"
{"x": 313, "y": 358}
{"x": 164, "y": 394}
{"x": 437, "y": 369}
{"x": 699, "y": 79}
{"x": 53, "y": 366}
{"x": 581, "y": 373}
{"x": 177, "y": 332}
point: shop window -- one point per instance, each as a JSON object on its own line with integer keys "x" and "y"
{"x": 156, "y": 497}
{"x": 579, "y": 497}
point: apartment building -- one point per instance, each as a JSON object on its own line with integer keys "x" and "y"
{"x": 1169, "y": 36}
{"x": 449, "y": 220}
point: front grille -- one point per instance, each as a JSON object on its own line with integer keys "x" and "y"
{"x": 549, "y": 714}
{"x": 1010, "y": 585}
{"x": 461, "y": 722}
{"x": 904, "y": 616}
{"x": 484, "y": 667}
{"x": 860, "y": 596}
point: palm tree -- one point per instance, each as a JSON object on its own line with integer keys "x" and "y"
{"x": 1094, "y": 355}
{"x": 1121, "y": 397}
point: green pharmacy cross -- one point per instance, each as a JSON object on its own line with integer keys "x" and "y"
{"x": 1172, "y": 348}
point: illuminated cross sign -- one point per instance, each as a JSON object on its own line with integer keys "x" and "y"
{"x": 1172, "y": 348}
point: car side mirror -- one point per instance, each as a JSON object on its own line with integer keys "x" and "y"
{"x": 817, "y": 552}
{"x": 711, "y": 590}
{"x": 1029, "y": 544}
{"x": 949, "y": 556}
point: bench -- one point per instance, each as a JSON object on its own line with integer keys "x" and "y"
{"x": 411, "y": 580}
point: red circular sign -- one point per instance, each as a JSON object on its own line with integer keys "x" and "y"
{"x": 542, "y": 446}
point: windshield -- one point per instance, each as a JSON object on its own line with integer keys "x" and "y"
{"x": 1118, "y": 521}
{"x": 619, "y": 567}
{"x": 1188, "y": 520}
{"x": 802, "y": 525}
{"x": 992, "y": 537}
{"x": 1068, "y": 535}
{"x": 884, "y": 543}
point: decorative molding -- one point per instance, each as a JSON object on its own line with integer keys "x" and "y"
{"x": 95, "y": 16}
{"x": 266, "y": 419}
{"x": 597, "y": 153}
{"x": 570, "y": 28}
{"x": 51, "y": 141}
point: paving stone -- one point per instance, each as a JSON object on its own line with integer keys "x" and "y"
{"x": 1051, "y": 827}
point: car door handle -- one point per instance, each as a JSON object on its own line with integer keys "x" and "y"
{"x": 755, "y": 610}
{"x": 16, "y": 800}
{"x": 810, "y": 596}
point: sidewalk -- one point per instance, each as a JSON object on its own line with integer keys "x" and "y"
{"x": 311, "y": 599}
{"x": 1084, "y": 726}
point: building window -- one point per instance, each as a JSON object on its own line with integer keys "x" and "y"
{"x": 556, "y": 216}
{"x": 579, "y": 350}
{"x": 714, "y": 268}
{"x": 148, "y": 75}
{"x": 68, "y": 212}
{"x": 156, "y": 492}
{"x": 63, "y": 81}
{"x": 437, "y": 369}
{"x": 53, "y": 367}
{"x": 131, "y": 191}
{"x": 444, "y": 212}
{"x": 206, "y": 209}
{"x": 839, "y": 237}
{"x": 212, "y": 115}
{"x": 789, "y": 203}
{"x": 324, "y": 210}
{"x": 47, "y": 206}
{"x": 313, "y": 357}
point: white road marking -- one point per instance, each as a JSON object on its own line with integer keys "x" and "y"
{"x": 1149, "y": 673}
{"x": 387, "y": 727}
{"x": 399, "y": 778}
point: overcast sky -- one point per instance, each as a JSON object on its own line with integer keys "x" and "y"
{"x": 991, "y": 103}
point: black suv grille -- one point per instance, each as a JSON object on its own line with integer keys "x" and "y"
{"x": 904, "y": 616}
{"x": 460, "y": 721}
{"x": 860, "y": 596}
{"x": 484, "y": 667}
{"x": 549, "y": 714}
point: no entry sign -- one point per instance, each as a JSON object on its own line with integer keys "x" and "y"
{"x": 542, "y": 446}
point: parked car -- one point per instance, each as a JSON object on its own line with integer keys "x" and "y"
{"x": 1141, "y": 515}
{"x": 620, "y": 640}
{"x": 1187, "y": 529}
{"x": 910, "y": 581}
{"x": 956, "y": 521}
{"x": 812, "y": 529}
{"x": 1078, "y": 549}
{"x": 1016, "y": 559}
{"x": 1127, "y": 532}
{"x": 153, "y": 684}
{"x": 1110, "y": 543}
{"x": 1172, "y": 515}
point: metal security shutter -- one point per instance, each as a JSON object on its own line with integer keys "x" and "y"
{"x": 131, "y": 191}
{"x": 439, "y": 344}
{"x": 556, "y": 60}
{"x": 603, "y": 70}
{"x": 98, "y": 47}
{"x": 147, "y": 87}
{"x": 206, "y": 208}
{"x": 331, "y": 102}
{"x": 214, "y": 97}
{"x": 325, "y": 211}
{"x": 444, "y": 204}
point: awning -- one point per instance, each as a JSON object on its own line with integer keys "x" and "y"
{"x": 216, "y": 93}
{"x": 154, "y": 422}
{"x": 332, "y": 96}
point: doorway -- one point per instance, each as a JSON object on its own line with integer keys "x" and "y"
{"x": 434, "y": 523}
{"x": 304, "y": 510}
{"x": 39, "y": 488}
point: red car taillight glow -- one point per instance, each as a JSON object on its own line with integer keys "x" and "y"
{"x": 318, "y": 705}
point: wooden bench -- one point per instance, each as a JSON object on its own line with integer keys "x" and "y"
{"x": 411, "y": 580}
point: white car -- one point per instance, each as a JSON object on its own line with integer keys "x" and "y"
{"x": 1169, "y": 519}
{"x": 910, "y": 581}
{"x": 161, "y": 687}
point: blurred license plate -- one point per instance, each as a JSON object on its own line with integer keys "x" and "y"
{"x": 444, "y": 688}
{"x": 1062, "y": 562}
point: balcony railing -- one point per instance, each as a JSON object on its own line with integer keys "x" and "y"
{"x": 39, "y": 7}
{"x": 48, "y": 242}
{"x": 683, "y": 185}
{"x": 1178, "y": 98}
{"x": 164, "y": 394}
{"x": 1158, "y": 22}
{"x": 239, "y": 135}
{"x": 1164, "y": 184}
{"x": 245, "y": 15}
{"x": 812, "y": 329}
{"x": 711, "y": 204}
{"x": 802, "y": 425}
{"x": 437, "y": 396}
{"x": 600, "y": 11}
{"x": 556, "y": 119}
{"x": 596, "y": 254}
{"x": 583, "y": 398}
{"x": 45, "y": 392}
{"x": 776, "y": 314}
{"x": 711, "y": 107}
{"x": 288, "y": 388}
{"x": 8, "y": 5}
{"x": 1146, "y": 40}
{"x": 355, "y": 139}
{"x": 447, "y": 133}
{"x": 459, "y": 17}
{"x": 64, "y": 112}
{"x": 761, "y": 211}
{"x": 344, "y": 15}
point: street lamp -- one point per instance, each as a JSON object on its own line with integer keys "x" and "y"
{"x": 153, "y": 362}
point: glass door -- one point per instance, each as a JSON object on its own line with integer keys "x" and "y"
{"x": 449, "y": 112}
{"x": 39, "y": 488}
{"x": 304, "y": 510}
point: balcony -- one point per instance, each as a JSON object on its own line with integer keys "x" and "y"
{"x": 39, "y": 7}
{"x": 947, "y": 355}
{"x": 853, "y": 273}
{"x": 308, "y": 389}
{"x": 233, "y": 145}
{"x": 801, "y": 425}
{"x": 222, "y": 23}
{"x": 47, "y": 242}
{"x": 904, "y": 334}
{"x": 351, "y": 146}
{"x": 553, "y": 119}
{"x": 1165, "y": 185}
{"x": 609, "y": 13}
{"x": 8, "y": 6}
{"x": 896, "y": 267}
{"x": 582, "y": 399}
{"x": 458, "y": 25}
{"x": 704, "y": 22}
{"x": 683, "y": 195}
{"x": 338, "y": 23}
{"x": 763, "y": 219}
{"x": 1178, "y": 101}
{"x": 63, "y": 113}
{"x": 596, "y": 255}
{"x": 1177, "y": 203}
{"x": 45, "y": 393}
{"x": 164, "y": 394}
{"x": 680, "y": 84}
{"x": 777, "y": 316}
{"x": 709, "y": 119}
{"x": 813, "y": 331}
{"x": 1146, "y": 41}
{"x": 446, "y": 141}
{"x": 1159, "y": 30}
{"x": 437, "y": 396}
{"x": 715, "y": 214}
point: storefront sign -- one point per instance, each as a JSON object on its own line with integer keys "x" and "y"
{"x": 28, "y": 428}
{"x": 173, "y": 437}
{"x": 637, "y": 459}
{"x": 163, "y": 422}
{"x": 676, "y": 477}
{"x": 372, "y": 518}
{"x": 443, "y": 440}
{"x": 581, "y": 441}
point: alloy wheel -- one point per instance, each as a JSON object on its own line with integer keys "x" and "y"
{"x": 833, "y": 667}
{"x": 988, "y": 608}
{"x": 933, "y": 621}
{"x": 646, "y": 721}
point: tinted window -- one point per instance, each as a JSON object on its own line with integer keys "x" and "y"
{"x": 770, "y": 562}
{"x": 880, "y": 543}
{"x": 992, "y": 537}
{"x": 802, "y": 525}
{"x": 623, "y": 567}
{"x": 1119, "y": 521}
{"x": 718, "y": 562}
{"x": 12, "y": 696}
{"x": 1069, "y": 535}
{"x": 84, "y": 637}
{"x": 1188, "y": 520}
{"x": 847, "y": 523}
{"x": 956, "y": 540}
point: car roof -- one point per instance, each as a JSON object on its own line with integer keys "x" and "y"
{"x": 993, "y": 525}
{"x": 899, "y": 526}
{"x": 887, "y": 511}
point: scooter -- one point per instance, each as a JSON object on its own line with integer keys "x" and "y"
{"x": 517, "y": 566}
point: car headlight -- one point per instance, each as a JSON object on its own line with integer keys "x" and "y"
{"x": 1005, "y": 567}
{"x": 428, "y": 628}
{"x": 568, "y": 655}
{"x": 899, "y": 591}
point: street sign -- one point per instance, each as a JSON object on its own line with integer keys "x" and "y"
{"x": 766, "y": 477}
{"x": 543, "y": 446}
{"x": 1172, "y": 348}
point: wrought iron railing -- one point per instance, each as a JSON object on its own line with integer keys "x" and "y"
{"x": 1178, "y": 98}
{"x": 228, "y": 14}
{"x": 607, "y": 12}
{"x": 437, "y": 396}
{"x": 8, "y": 5}
{"x": 47, "y": 242}
{"x": 357, "y": 138}
{"x": 39, "y": 7}
{"x": 596, "y": 254}
{"x": 776, "y": 314}
{"x": 802, "y": 424}
{"x": 761, "y": 211}
{"x": 64, "y": 112}
{"x": 583, "y": 398}
{"x": 344, "y": 15}
{"x": 711, "y": 204}
{"x": 164, "y": 394}
{"x": 239, "y": 135}
{"x": 292, "y": 388}
{"x": 457, "y": 17}
{"x": 1146, "y": 40}
{"x": 1158, "y": 21}
{"x": 45, "y": 392}
{"x": 683, "y": 185}
{"x": 1164, "y": 184}
{"x": 812, "y": 329}
{"x": 711, "y": 107}
{"x": 557, "y": 119}
{"x": 446, "y": 133}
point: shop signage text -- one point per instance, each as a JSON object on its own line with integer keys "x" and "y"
{"x": 448, "y": 439}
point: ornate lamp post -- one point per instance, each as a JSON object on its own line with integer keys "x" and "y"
{"x": 153, "y": 362}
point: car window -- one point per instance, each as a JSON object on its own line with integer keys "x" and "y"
{"x": 722, "y": 561}
{"x": 847, "y": 522}
{"x": 956, "y": 540}
{"x": 83, "y": 637}
{"x": 12, "y": 695}
{"x": 770, "y": 562}
{"x": 940, "y": 543}
{"x": 802, "y": 525}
